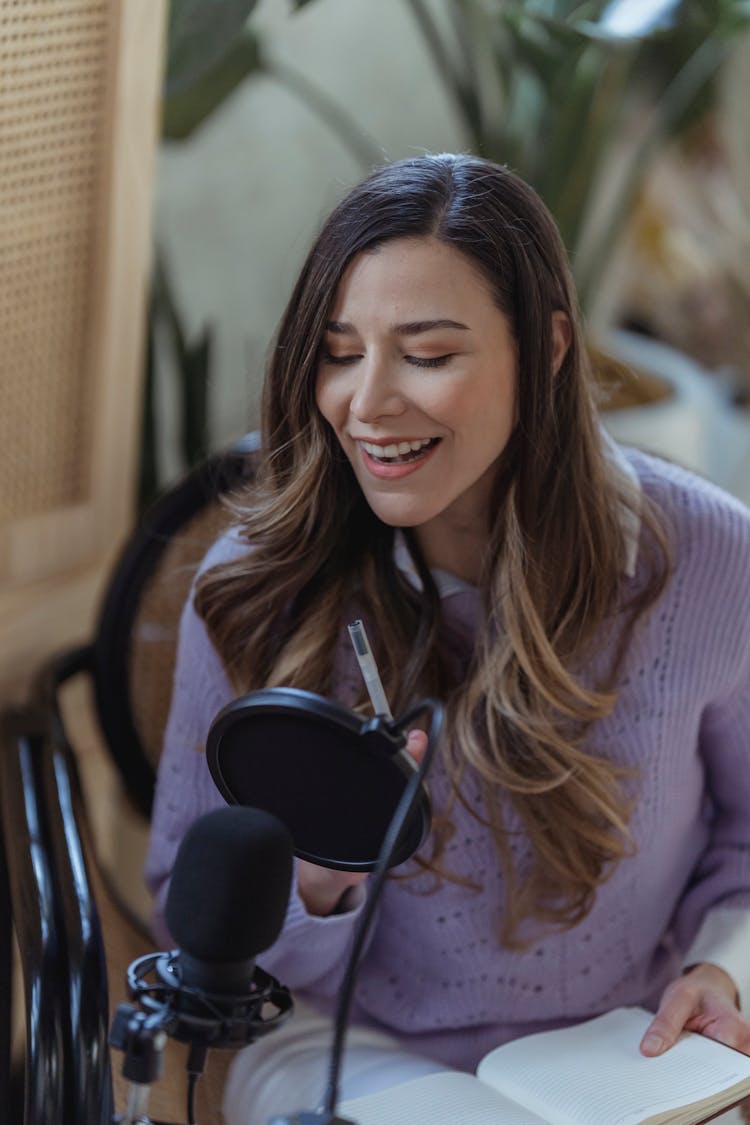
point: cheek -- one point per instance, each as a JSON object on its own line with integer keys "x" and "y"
{"x": 323, "y": 397}
{"x": 332, "y": 405}
{"x": 489, "y": 406}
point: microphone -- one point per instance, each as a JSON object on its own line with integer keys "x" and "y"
{"x": 226, "y": 903}
{"x": 228, "y": 896}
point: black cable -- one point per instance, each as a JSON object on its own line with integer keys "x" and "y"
{"x": 195, "y": 1066}
{"x": 399, "y": 819}
{"x": 191, "y": 1085}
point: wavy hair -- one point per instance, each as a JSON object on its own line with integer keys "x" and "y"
{"x": 519, "y": 708}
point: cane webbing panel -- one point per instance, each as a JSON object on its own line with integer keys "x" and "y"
{"x": 53, "y": 72}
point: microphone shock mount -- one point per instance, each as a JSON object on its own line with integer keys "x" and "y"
{"x": 171, "y": 1008}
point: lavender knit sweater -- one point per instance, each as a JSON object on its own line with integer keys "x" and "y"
{"x": 434, "y": 974}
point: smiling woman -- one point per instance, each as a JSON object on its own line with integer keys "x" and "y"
{"x": 433, "y": 464}
{"x": 418, "y": 380}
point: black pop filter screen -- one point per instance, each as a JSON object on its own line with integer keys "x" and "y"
{"x": 331, "y": 778}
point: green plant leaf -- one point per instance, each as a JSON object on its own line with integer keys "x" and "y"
{"x": 192, "y": 360}
{"x": 459, "y": 80}
{"x": 199, "y": 35}
{"x": 195, "y": 369}
{"x": 680, "y": 94}
{"x": 328, "y": 110}
{"x": 183, "y": 113}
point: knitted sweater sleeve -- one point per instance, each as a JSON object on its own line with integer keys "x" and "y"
{"x": 713, "y": 919}
{"x": 184, "y": 787}
{"x": 309, "y": 949}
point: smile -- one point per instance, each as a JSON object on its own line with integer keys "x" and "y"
{"x": 398, "y": 453}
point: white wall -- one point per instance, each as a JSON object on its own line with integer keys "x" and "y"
{"x": 238, "y": 204}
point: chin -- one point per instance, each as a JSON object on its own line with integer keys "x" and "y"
{"x": 400, "y": 518}
{"x": 402, "y": 511}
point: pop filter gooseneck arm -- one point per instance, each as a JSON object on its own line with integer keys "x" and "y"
{"x": 400, "y": 818}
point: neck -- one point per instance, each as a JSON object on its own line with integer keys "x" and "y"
{"x": 458, "y": 550}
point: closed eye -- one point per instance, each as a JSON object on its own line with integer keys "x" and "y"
{"x": 434, "y": 361}
{"x": 339, "y": 360}
{"x": 414, "y": 360}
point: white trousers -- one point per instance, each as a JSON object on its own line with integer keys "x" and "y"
{"x": 287, "y": 1070}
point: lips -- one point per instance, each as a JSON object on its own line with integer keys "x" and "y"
{"x": 397, "y": 452}
{"x": 383, "y": 461}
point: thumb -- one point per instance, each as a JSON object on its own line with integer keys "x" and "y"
{"x": 674, "y": 1012}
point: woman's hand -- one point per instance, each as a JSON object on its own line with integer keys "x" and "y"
{"x": 704, "y": 999}
{"x": 322, "y": 890}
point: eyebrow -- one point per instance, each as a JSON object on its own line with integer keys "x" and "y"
{"x": 411, "y": 328}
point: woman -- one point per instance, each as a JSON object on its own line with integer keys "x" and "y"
{"x": 434, "y": 464}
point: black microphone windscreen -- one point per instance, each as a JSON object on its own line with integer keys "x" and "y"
{"x": 230, "y": 885}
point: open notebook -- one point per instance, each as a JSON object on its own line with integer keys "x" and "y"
{"x": 590, "y": 1074}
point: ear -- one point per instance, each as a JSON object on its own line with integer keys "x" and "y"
{"x": 562, "y": 334}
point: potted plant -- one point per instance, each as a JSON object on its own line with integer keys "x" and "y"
{"x": 578, "y": 98}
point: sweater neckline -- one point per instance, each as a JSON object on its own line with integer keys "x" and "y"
{"x": 629, "y": 516}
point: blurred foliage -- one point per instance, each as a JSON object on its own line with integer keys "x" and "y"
{"x": 211, "y": 51}
{"x": 200, "y": 34}
{"x": 553, "y": 88}
{"x": 192, "y": 363}
{"x": 187, "y": 107}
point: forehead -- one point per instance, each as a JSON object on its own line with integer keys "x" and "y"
{"x": 410, "y": 272}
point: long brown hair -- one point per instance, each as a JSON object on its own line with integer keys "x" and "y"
{"x": 553, "y": 573}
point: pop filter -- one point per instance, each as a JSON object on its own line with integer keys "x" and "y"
{"x": 333, "y": 777}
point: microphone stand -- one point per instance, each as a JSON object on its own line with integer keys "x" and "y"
{"x": 191, "y": 1015}
{"x": 143, "y": 1038}
{"x": 326, "y": 1113}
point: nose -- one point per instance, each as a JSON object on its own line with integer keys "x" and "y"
{"x": 377, "y": 394}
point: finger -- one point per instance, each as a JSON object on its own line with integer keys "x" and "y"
{"x": 715, "y": 979}
{"x": 729, "y": 1028}
{"x": 315, "y": 872}
{"x": 416, "y": 744}
{"x": 321, "y": 888}
{"x": 676, "y": 1008}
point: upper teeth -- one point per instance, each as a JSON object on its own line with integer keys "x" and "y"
{"x": 395, "y": 450}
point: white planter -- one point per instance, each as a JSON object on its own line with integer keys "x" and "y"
{"x": 695, "y": 426}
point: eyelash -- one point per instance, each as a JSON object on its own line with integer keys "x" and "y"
{"x": 436, "y": 361}
{"x": 414, "y": 360}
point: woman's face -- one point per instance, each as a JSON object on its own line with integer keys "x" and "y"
{"x": 418, "y": 378}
